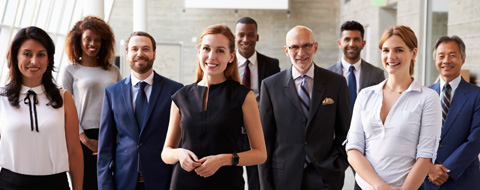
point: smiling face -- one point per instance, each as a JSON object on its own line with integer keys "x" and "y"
{"x": 214, "y": 55}
{"x": 140, "y": 54}
{"x": 246, "y": 38}
{"x": 351, "y": 44}
{"x": 449, "y": 60}
{"x": 91, "y": 43}
{"x": 397, "y": 57}
{"x": 301, "y": 47}
{"x": 32, "y": 62}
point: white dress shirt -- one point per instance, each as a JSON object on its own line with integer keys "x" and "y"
{"x": 346, "y": 71}
{"x": 453, "y": 84}
{"x": 411, "y": 130}
{"x": 298, "y": 79}
{"x": 136, "y": 87}
{"x": 253, "y": 71}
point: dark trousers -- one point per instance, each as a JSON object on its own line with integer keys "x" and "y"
{"x": 312, "y": 179}
{"x": 140, "y": 186}
{"x": 14, "y": 181}
{"x": 358, "y": 187}
{"x": 90, "y": 163}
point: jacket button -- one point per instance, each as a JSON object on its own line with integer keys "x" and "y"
{"x": 441, "y": 146}
{"x": 139, "y": 145}
{"x": 306, "y": 143}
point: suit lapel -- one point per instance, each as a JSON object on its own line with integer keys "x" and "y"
{"x": 261, "y": 69}
{"x": 318, "y": 93}
{"x": 290, "y": 90}
{"x": 364, "y": 74}
{"x": 127, "y": 100}
{"x": 154, "y": 96}
{"x": 458, "y": 101}
{"x": 338, "y": 68}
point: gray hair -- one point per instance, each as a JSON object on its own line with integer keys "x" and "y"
{"x": 453, "y": 38}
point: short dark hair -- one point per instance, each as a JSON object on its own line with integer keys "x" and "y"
{"x": 140, "y": 33}
{"x": 352, "y": 25}
{"x": 247, "y": 20}
{"x": 453, "y": 38}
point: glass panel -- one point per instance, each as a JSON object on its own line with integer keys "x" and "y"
{"x": 28, "y": 13}
{"x": 56, "y": 15}
{"x": 437, "y": 27}
{"x": 3, "y": 6}
{"x": 42, "y": 14}
{"x": 10, "y": 12}
{"x": 67, "y": 15}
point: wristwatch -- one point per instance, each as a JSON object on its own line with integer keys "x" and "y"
{"x": 235, "y": 159}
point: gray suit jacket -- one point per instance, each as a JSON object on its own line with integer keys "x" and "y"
{"x": 290, "y": 135}
{"x": 369, "y": 76}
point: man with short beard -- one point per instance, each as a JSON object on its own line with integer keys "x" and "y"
{"x": 134, "y": 123}
{"x": 364, "y": 74}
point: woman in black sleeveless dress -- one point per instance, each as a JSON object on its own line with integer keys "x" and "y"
{"x": 208, "y": 116}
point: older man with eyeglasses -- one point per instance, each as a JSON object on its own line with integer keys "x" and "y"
{"x": 305, "y": 115}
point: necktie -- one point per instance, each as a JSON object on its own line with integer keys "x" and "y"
{"x": 446, "y": 100}
{"x": 246, "y": 75}
{"x": 352, "y": 86}
{"x": 30, "y": 105}
{"x": 141, "y": 103}
{"x": 303, "y": 95}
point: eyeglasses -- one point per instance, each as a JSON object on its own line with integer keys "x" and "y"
{"x": 305, "y": 47}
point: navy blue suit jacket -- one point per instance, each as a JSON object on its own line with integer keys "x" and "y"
{"x": 123, "y": 146}
{"x": 460, "y": 139}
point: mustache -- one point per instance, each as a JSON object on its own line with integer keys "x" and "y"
{"x": 141, "y": 58}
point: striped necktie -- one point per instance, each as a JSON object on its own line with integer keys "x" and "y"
{"x": 246, "y": 75}
{"x": 446, "y": 100}
{"x": 304, "y": 96}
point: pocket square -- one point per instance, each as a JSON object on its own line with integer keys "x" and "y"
{"x": 328, "y": 101}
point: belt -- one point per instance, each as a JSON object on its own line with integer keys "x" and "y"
{"x": 140, "y": 178}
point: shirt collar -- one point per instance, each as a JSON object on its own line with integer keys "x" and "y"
{"x": 241, "y": 60}
{"x": 148, "y": 80}
{"x": 414, "y": 86}
{"x": 309, "y": 73}
{"x": 453, "y": 84}
{"x": 38, "y": 89}
{"x": 347, "y": 65}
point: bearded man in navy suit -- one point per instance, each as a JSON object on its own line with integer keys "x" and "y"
{"x": 134, "y": 123}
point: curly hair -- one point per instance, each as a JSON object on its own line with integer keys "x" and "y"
{"x": 12, "y": 89}
{"x": 73, "y": 42}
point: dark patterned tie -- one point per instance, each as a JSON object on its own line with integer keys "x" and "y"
{"x": 303, "y": 95}
{"x": 141, "y": 103}
{"x": 352, "y": 86}
{"x": 246, "y": 75}
{"x": 446, "y": 100}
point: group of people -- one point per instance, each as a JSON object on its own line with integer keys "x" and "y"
{"x": 299, "y": 128}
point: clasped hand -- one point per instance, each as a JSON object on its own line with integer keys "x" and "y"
{"x": 205, "y": 167}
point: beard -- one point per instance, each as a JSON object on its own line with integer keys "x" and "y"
{"x": 352, "y": 56}
{"x": 141, "y": 69}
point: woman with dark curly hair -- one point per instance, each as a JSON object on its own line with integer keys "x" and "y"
{"x": 39, "y": 123}
{"x": 90, "y": 48}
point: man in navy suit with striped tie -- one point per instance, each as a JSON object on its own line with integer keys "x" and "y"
{"x": 457, "y": 163}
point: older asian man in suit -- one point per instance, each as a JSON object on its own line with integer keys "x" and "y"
{"x": 305, "y": 117}
{"x": 253, "y": 67}
{"x": 134, "y": 123}
{"x": 357, "y": 72}
{"x": 457, "y": 163}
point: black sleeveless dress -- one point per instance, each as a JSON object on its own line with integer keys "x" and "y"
{"x": 214, "y": 131}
